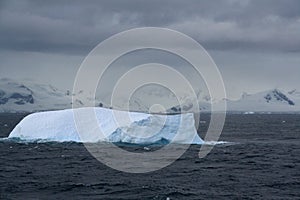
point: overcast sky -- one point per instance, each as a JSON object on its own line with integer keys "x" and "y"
{"x": 255, "y": 44}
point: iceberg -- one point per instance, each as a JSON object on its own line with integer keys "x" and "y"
{"x": 116, "y": 126}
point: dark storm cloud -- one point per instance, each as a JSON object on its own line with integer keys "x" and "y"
{"x": 75, "y": 27}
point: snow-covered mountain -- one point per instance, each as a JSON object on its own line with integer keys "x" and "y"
{"x": 150, "y": 96}
{"x": 29, "y": 96}
{"x": 266, "y": 101}
{"x": 294, "y": 94}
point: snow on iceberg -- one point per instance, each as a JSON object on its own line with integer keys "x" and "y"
{"x": 115, "y": 126}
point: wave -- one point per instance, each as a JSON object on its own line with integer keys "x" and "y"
{"x": 161, "y": 142}
{"x": 217, "y": 143}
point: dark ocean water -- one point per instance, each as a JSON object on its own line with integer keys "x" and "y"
{"x": 262, "y": 162}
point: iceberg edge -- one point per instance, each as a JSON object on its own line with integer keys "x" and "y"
{"x": 131, "y": 127}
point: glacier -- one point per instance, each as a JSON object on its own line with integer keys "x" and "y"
{"x": 116, "y": 126}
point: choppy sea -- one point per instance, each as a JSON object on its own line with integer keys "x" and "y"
{"x": 261, "y": 160}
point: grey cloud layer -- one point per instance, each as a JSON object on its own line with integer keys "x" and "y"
{"x": 75, "y": 27}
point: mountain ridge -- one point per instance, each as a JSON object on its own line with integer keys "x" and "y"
{"x": 29, "y": 96}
